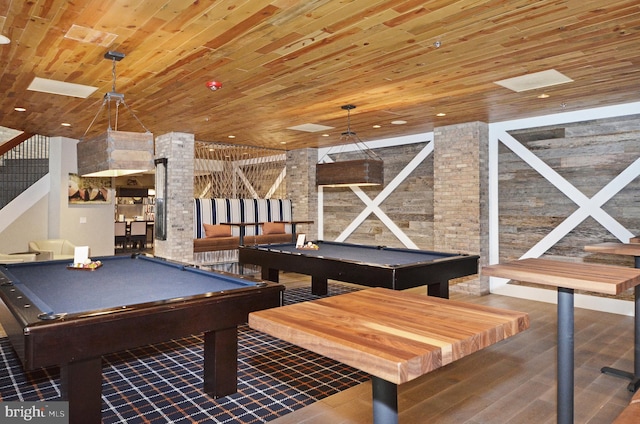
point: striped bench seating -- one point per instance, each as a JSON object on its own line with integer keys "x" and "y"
{"x": 210, "y": 213}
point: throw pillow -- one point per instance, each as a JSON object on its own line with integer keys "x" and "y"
{"x": 273, "y": 228}
{"x": 217, "y": 230}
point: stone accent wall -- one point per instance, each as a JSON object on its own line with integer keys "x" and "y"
{"x": 178, "y": 148}
{"x": 460, "y": 214}
{"x": 301, "y": 189}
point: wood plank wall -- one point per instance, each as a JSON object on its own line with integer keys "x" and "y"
{"x": 588, "y": 155}
{"x": 410, "y": 206}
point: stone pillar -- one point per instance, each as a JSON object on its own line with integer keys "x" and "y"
{"x": 461, "y": 215}
{"x": 301, "y": 188}
{"x": 179, "y": 149}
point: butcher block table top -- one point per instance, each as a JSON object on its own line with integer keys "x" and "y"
{"x": 392, "y": 335}
{"x": 628, "y": 249}
{"x": 567, "y": 277}
{"x": 607, "y": 279}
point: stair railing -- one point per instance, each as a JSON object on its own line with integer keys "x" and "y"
{"x": 24, "y": 160}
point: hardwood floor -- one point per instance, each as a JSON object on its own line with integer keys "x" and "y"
{"x": 512, "y": 382}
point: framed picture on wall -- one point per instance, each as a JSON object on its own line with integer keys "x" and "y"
{"x": 89, "y": 190}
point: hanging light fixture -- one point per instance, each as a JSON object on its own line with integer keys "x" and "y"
{"x": 115, "y": 152}
{"x": 354, "y": 172}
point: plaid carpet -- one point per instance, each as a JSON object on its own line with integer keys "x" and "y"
{"x": 162, "y": 383}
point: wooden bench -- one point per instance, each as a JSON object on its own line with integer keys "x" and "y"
{"x": 214, "y": 212}
{"x": 630, "y": 414}
{"x": 209, "y": 244}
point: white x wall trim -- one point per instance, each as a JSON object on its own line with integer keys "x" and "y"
{"x": 585, "y": 206}
{"x": 372, "y": 206}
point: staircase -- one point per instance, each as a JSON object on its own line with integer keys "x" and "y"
{"x": 21, "y": 166}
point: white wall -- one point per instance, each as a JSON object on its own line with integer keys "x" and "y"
{"x": 30, "y": 224}
{"x": 84, "y": 225}
{"x": 35, "y": 215}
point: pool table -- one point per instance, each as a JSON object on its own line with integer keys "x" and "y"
{"x": 56, "y": 316}
{"x": 373, "y": 266}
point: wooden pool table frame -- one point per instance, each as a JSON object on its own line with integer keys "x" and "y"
{"x": 77, "y": 342}
{"x": 434, "y": 274}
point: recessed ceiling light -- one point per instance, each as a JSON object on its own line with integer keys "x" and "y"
{"x": 441, "y": 114}
{"x": 65, "y": 124}
{"x": 399, "y": 122}
{"x": 4, "y": 40}
{"x": 19, "y": 109}
{"x": 325, "y": 135}
{"x": 543, "y": 96}
{"x": 231, "y": 136}
{"x": 377, "y": 126}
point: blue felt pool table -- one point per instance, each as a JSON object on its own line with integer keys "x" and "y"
{"x": 373, "y": 266}
{"x": 56, "y": 316}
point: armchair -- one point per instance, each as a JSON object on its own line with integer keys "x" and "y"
{"x": 53, "y": 249}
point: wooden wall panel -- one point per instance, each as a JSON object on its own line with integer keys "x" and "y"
{"x": 589, "y": 155}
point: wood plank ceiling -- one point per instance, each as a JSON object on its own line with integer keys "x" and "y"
{"x": 285, "y": 63}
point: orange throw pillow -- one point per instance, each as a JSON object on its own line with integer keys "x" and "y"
{"x": 217, "y": 230}
{"x": 273, "y": 228}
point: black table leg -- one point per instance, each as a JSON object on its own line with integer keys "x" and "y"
{"x": 565, "y": 356}
{"x": 635, "y": 382}
{"x": 385, "y": 401}
{"x": 634, "y": 376}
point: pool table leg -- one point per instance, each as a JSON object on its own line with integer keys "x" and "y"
{"x": 81, "y": 386}
{"x": 319, "y": 286}
{"x": 270, "y": 274}
{"x": 221, "y": 362}
{"x": 439, "y": 289}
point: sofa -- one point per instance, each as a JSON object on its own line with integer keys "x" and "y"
{"x": 52, "y": 249}
{"x": 17, "y": 258}
{"x": 211, "y": 235}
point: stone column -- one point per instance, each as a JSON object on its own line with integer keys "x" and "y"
{"x": 461, "y": 216}
{"x": 301, "y": 188}
{"x": 179, "y": 149}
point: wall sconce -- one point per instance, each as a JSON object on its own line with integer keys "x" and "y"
{"x": 160, "y": 225}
